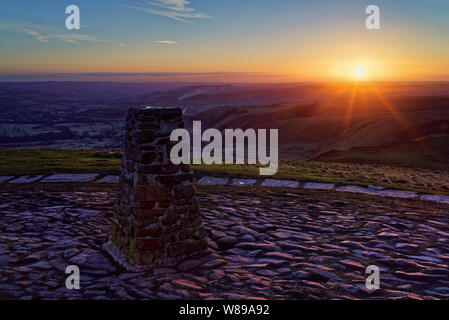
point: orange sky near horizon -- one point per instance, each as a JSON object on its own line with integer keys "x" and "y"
{"x": 320, "y": 46}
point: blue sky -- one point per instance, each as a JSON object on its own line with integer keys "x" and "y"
{"x": 284, "y": 36}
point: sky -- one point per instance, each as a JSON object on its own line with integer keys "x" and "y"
{"x": 232, "y": 40}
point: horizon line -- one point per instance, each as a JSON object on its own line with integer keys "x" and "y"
{"x": 198, "y": 77}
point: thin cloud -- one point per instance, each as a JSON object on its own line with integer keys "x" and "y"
{"x": 165, "y": 41}
{"x": 179, "y": 10}
{"x": 44, "y": 33}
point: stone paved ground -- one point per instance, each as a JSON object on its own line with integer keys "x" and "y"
{"x": 266, "y": 243}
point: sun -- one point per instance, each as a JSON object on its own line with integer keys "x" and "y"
{"x": 359, "y": 72}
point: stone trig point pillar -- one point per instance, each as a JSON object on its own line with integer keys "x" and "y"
{"x": 157, "y": 216}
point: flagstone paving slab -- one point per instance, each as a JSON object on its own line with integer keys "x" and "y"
{"x": 243, "y": 182}
{"x": 26, "y": 179}
{"x": 212, "y": 181}
{"x": 5, "y": 178}
{"x": 280, "y": 183}
{"x": 372, "y": 190}
{"x": 108, "y": 179}
{"x": 399, "y": 194}
{"x": 319, "y": 186}
{"x": 86, "y": 177}
{"x": 358, "y": 189}
{"x": 435, "y": 198}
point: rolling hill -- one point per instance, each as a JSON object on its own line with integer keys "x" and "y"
{"x": 429, "y": 152}
{"x": 307, "y": 130}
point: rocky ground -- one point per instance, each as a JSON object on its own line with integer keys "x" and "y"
{"x": 265, "y": 243}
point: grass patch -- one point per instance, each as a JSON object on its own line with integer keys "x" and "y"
{"x": 48, "y": 161}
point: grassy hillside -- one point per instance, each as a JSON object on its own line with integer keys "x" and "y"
{"x": 307, "y": 130}
{"x": 47, "y": 161}
{"x": 430, "y": 152}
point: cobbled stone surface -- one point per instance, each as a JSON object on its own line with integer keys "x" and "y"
{"x": 274, "y": 244}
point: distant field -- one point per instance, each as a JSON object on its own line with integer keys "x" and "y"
{"x": 47, "y": 161}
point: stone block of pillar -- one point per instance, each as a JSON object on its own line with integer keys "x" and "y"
{"x": 157, "y": 218}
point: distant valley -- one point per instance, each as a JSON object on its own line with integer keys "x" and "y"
{"x": 321, "y": 121}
